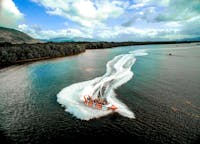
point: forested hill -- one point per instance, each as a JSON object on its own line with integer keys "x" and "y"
{"x": 15, "y": 36}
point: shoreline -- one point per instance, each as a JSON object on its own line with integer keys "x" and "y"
{"x": 70, "y": 49}
{"x": 30, "y": 61}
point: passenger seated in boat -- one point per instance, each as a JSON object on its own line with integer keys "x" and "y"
{"x": 89, "y": 98}
{"x": 101, "y": 100}
{"x": 105, "y": 102}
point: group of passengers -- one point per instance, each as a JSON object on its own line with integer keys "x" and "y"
{"x": 102, "y": 101}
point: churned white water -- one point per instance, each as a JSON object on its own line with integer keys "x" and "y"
{"x": 118, "y": 72}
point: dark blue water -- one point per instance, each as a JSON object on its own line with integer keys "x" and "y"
{"x": 164, "y": 94}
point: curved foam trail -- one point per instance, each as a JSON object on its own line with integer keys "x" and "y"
{"x": 118, "y": 72}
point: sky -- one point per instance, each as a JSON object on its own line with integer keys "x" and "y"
{"x": 105, "y": 20}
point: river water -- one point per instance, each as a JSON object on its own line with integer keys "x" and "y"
{"x": 158, "y": 96}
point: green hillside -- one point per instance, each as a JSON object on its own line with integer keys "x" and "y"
{"x": 15, "y": 36}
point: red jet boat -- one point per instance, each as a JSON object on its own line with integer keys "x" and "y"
{"x": 98, "y": 103}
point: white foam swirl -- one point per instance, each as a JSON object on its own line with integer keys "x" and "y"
{"x": 118, "y": 72}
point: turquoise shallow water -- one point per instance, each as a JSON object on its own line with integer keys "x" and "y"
{"x": 164, "y": 94}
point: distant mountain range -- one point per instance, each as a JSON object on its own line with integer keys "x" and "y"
{"x": 15, "y": 36}
{"x": 81, "y": 39}
{"x": 65, "y": 39}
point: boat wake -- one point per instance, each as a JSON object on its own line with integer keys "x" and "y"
{"x": 118, "y": 72}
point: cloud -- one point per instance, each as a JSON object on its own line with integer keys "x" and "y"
{"x": 181, "y": 17}
{"x": 180, "y": 10}
{"x": 115, "y": 20}
{"x": 139, "y": 4}
{"x": 116, "y": 33}
{"x": 147, "y": 14}
{"x": 9, "y": 14}
{"x": 85, "y": 12}
{"x": 184, "y": 15}
{"x": 191, "y": 27}
{"x": 36, "y": 32}
{"x": 120, "y": 33}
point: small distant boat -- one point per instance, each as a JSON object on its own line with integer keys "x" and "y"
{"x": 170, "y": 54}
{"x": 98, "y": 103}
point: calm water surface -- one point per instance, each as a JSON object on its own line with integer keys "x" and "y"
{"x": 164, "y": 94}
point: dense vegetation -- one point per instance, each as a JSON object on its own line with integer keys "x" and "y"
{"x": 18, "y": 47}
{"x": 21, "y": 53}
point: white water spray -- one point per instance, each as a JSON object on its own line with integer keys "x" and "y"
{"x": 118, "y": 72}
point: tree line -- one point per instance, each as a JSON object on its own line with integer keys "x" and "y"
{"x": 20, "y": 53}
